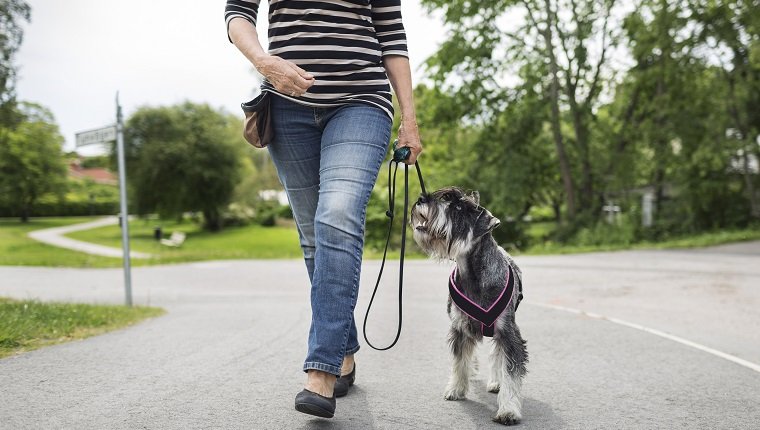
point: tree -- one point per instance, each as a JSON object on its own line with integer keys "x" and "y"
{"x": 557, "y": 49}
{"x": 671, "y": 112}
{"x": 183, "y": 158}
{"x": 12, "y": 13}
{"x": 576, "y": 103}
{"x": 730, "y": 32}
{"x": 31, "y": 159}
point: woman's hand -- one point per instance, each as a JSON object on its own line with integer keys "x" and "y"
{"x": 409, "y": 136}
{"x": 400, "y": 75}
{"x": 286, "y": 77}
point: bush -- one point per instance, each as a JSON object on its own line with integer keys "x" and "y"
{"x": 66, "y": 208}
{"x": 512, "y": 235}
{"x": 285, "y": 212}
{"x": 237, "y": 214}
{"x": 80, "y": 198}
{"x": 622, "y": 232}
{"x": 267, "y": 213}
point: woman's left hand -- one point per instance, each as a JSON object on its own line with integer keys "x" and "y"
{"x": 409, "y": 136}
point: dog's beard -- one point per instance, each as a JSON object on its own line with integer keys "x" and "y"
{"x": 433, "y": 232}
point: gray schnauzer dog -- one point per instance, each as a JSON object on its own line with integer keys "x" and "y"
{"x": 451, "y": 225}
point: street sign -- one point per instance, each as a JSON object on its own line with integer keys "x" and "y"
{"x": 100, "y": 135}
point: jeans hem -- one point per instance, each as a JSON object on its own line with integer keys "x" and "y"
{"x": 313, "y": 365}
{"x": 352, "y": 351}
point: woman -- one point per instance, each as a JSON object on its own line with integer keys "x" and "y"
{"x": 329, "y": 65}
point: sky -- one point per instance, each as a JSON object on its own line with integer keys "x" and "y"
{"x": 77, "y": 54}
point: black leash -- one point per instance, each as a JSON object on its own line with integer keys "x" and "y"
{"x": 399, "y": 155}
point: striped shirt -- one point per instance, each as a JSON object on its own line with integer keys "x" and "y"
{"x": 340, "y": 42}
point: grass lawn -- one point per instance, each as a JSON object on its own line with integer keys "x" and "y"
{"x": 251, "y": 241}
{"x": 17, "y": 249}
{"x": 29, "y": 325}
{"x": 694, "y": 241}
{"x": 256, "y": 242}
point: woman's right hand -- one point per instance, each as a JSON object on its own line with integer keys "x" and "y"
{"x": 286, "y": 77}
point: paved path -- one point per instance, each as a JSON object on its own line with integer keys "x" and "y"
{"x": 228, "y": 353}
{"x": 55, "y": 236}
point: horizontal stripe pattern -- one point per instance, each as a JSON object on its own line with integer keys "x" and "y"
{"x": 340, "y": 42}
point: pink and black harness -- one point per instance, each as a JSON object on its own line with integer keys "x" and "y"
{"x": 485, "y": 316}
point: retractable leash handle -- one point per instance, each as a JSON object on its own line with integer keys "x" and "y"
{"x": 399, "y": 155}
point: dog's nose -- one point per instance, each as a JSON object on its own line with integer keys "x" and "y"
{"x": 423, "y": 199}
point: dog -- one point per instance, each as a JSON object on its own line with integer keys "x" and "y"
{"x": 450, "y": 224}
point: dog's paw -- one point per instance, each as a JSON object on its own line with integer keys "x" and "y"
{"x": 454, "y": 393}
{"x": 493, "y": 387}
{"x": 507, "y": 418}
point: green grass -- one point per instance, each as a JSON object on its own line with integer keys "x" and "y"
{"x": 28, "y": 325}
{"x": 539, "y": 231}
{"x": 17, "y": 249}
{"x": 256, "y": 242}
{"x": 693, "y": 241}
{"x": 249, "y": 242}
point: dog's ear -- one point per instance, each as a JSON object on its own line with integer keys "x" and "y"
{"x": 474, "y": 196}
{"x": 485, "y": 224}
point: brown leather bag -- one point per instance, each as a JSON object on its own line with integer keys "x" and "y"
{"x": 257, "y": 126}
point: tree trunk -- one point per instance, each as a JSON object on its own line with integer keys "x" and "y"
{"x": 661, "y": 140}
{"x": 564, "y": 162}
{"x": 581, "y": 137}
{"x": 623, "y": 136}
{"x": 659, "y": 186}
{"x": 557, "y": 211}
{"x": 213, "y": 221}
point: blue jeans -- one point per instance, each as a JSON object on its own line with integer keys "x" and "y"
{"x": 328, "y": 160}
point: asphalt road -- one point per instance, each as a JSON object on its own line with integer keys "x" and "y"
{"x": 229, "y": 352}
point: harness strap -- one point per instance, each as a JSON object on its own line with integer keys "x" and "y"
{"x": 486, "y": 316}
{"x": 390, "y": 213}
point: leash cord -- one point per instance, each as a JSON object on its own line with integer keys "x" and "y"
{"x": 390, "y": 213}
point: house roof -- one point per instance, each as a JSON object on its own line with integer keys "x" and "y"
{"x": 98, "y": 174}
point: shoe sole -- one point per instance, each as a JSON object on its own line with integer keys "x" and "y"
{"x": 312, "y": 409}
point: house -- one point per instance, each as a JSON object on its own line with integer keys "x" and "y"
{"x": 99, "y": 175}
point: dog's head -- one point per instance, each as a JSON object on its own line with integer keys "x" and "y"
{"x": 449, "y": 221}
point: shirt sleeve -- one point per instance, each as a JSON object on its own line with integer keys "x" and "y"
{"x": 246, "y": 9}
{"x": 389, "y": 29}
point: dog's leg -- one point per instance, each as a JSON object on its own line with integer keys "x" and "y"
{"x": 462, "y": 348}
{"x": 497, "y": 363}
{"x": 515, "y": 356}
{"x": 475, "y": 366}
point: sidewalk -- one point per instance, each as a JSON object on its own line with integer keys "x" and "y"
{"x": 54, "y": 236}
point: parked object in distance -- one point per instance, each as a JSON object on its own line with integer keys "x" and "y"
{"x": 175, "y": 240}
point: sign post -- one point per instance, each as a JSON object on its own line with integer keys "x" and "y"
{"x": 105, "y": 135}
{"x": 123, "y": 197}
